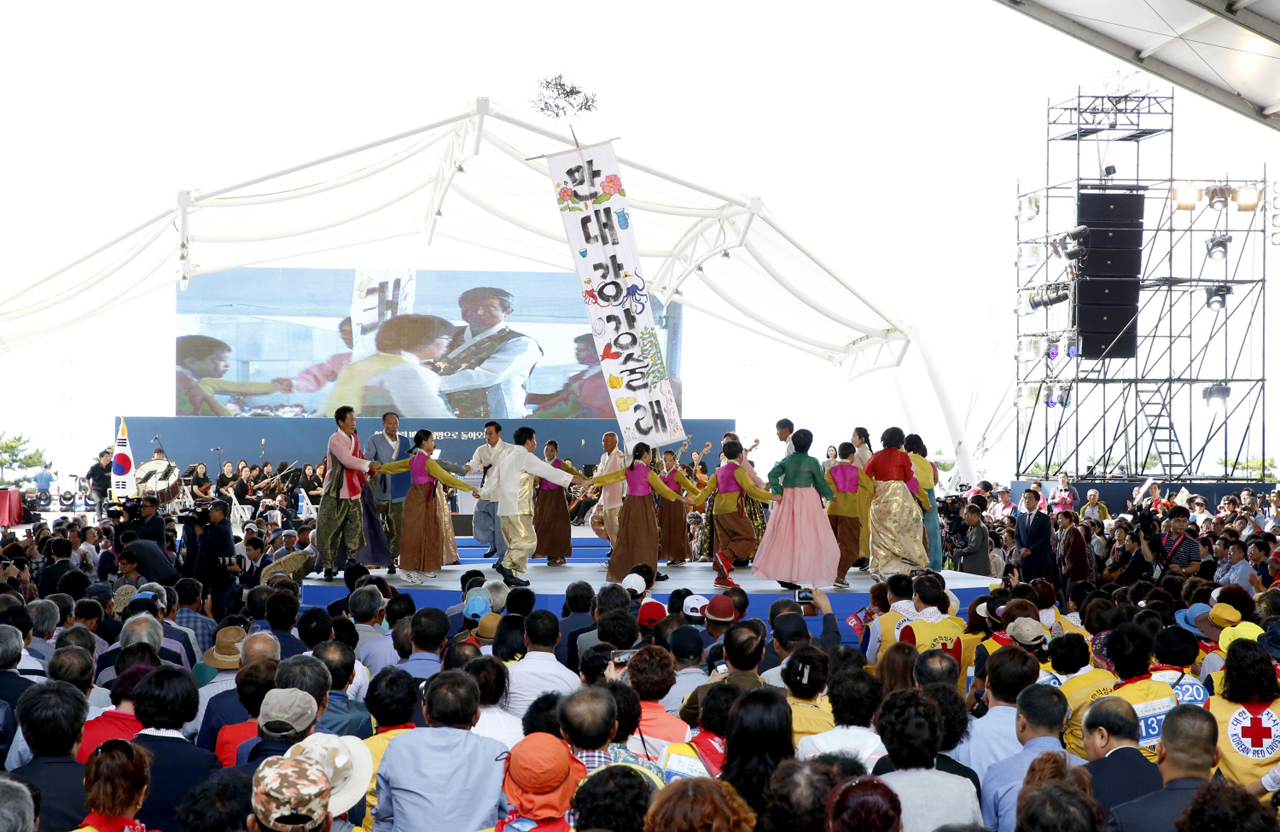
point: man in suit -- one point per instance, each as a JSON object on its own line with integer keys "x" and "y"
{"x": 1031, "y": 535}
{"x": 164, "y": 701}
{"x": 60, "y": 549}
{"x": 52, "y": 719}
{"x": 1186, "y": 755}
{"x": 1120, "y": 771}
{"x": 578, "y": 597}
{"x": 12, "y": 683}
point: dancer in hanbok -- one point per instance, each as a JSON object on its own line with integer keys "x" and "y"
{"x": 927, "y": 476}
{"x": 427, "y": 531}
{"x": 673, "y": 522}
{"x": 847, "y": 511}
{"x": 551, "y": 511}
{"x": 735, "y": 536}
{"x": 798, "y": 545}
{"x": 897, "y": 544}
{"x": 637, "y": 540}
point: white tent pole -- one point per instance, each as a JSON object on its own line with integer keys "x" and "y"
{"x": 202, "y": 197}
{"x": 964, "y": 459}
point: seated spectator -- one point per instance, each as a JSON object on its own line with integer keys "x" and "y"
{"x": 744, "y": 644}
{"x": 1129, "y": 649}
{"x": 1042, "y": 713}
{"x": 115, "y": 784}
{"x": 540, "y": 779}
{"x": 381, "y": 652}
{"x": 17, "y": 806}
{"x": 910, "y": 724}
{"x": 652, "y": 672}
{"x": 541, "y": 716}
{"x": 119, "y": 723}
{"x": 703, "y": 754}
{"x": 348, "y": 765}
{"x": 588, "y": 722}
{"x": 805, "y": 674}
{"x": 343, "y": 715}
{"x": 288, "y": 716}
{"x": 227, "y": 707}
{"x": 615, "y": 797}
{"x": 994, "y": 737}
{"x": 700, "y": 804}
{"x": 392, "y": 699}
{"x": 1058, "y": 805}
{"x": 425, "y": 770}
{"x": 290, "y": 794}
{"x": 225, "y": 658}
{"x": 855, "y": 695}
{"x": 935, "y": 666}
{"x": 491, "y": 675}
{"x": 686, "y": 645}
{"x": 73, "y": 665}
{"x": 1119, "y": 771}
{"x": 1080, "y": 682}
{"x": 282, "y": 614}
{"x": 12, "y": 682}
{"x": 164, "y": 701}
{"x": 627, "y": 702}
{"x": 253, "y": 681}
{"x": 219, "y": 804}
{"x": 897, "y": 668}
{"x": 508, "y": 639}
{"x": 864, "y": 804}
{"x": 52, "y": 718}
{"x": 797, "y": 796}
{"x": 538, "y": 672}
{"x": 430, "y": 630}
{"x": 757, "y": 739}
{"x": 955, "y": 726}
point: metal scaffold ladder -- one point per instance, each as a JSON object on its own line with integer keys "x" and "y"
{"x": 1154, "y": 406}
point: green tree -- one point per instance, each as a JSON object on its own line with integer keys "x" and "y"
{"x": 944, "y": 466}
{"x": 1257, "y": 466}
{"x": 16, "y": 455}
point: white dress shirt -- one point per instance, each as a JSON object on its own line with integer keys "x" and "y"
{"x": 518, "y": 462}
{"x": 500, "y": 725}
{"x": 611, "y": 495}
{"x": 489, "y": 455}
{"x": 502, "y": 375}
{"x": 536, "y": 674}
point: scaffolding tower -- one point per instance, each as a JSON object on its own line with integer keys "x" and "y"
{"x": 1171, "y": 385}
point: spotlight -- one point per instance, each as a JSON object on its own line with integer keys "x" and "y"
{"x": 66, "y": 501}
{"x": 1028, "y": 208}
{"x": 1216, "y": 395}
{"x": 1030, "y": 255}
{"x": 1109, "y": 171}
{"x": 1052, "y": 352}
{"x": 1216, "y": 297}
{"x": 1216, "y": 246}
{"x": 1067, "y": 345}
{"x": 1024, "y": 305}
{"x": 1075, "y": 253}
{"x": 1078, "y": 233}
{"x": 1025, "y": 398}
{"x": 1064, "y": 395}
{"x": 1050, "y": 397}
{"x": 1219, "y": 196}
{"x": 1030, "y": 349}
{"x": 1185, "y": 196}
{"x": 1247, "y": 198}
{"x": 1047, "y": 296}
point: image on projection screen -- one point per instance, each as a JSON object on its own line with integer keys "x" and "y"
{"x": 427, "y": 344}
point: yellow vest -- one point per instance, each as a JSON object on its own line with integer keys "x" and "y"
{"x": 1152, "y": 700}
{"x": 969, "y": 647}
{"x": 941, "y": 636}
{"x": 888, "y": 632}
{"x": 1249, "y": 738}
{"x": 1217, "y": 676}
{"x": 1080, "y": 691}
{"x": 809, "y": 717}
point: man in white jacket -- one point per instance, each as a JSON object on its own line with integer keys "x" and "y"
{"x": 516, "y": 473}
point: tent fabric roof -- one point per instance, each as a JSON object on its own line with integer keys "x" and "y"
{"x": 1225, "y": 50}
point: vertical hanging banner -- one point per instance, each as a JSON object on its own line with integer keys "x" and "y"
{"x": 593, "y": 205}
{"x": 122, "y": 482}
{"x": 377, "y": 295}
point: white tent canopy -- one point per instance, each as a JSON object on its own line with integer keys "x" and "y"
{"x": 472, "y": 180}
{"x": 1225, "y": 50}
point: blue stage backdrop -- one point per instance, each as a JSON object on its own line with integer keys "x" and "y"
{"x": 189, "y": 440}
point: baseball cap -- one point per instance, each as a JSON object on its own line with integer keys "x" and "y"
{"x": 720, "y": 608}
{"x": 693, "y": 605}
{"x": 685, "y": 642}
{"x": 541, "y": 775}
{"x": 651, "y": 612}
{"x": 1028, "y": 632}
{"x": 253, "y": 526}
{"x": 153, "y": 596}
{"x": 290, "y": 794}
{"x": 476, "y": 608}
{"x": 790, "y": 626}
{"x": 634, "y": 585}
{"x": 100, "y": 592}
{"x": 290, "y": 706}
{"x": 479, "y": 592}
{"x": 1002, "y": 489}
{"x": 1224, "y": 615}
{"x": 346, "y": 761}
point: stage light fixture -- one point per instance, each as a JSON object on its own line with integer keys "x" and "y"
{"x": 1185, "y": 196}
{"x": 1051, "y": 352}
{"x": 1030, "y": 349}
{"x": 1025, "y": 398}
{"x": 1219, "y": 196}
{"x": 1216, "y": 297}
{"x": 1030, "y": 255}
{"x": 1023, "y": 305}
{"x": 66, "y": 501}
{"x": 1247, "y": 198}
{"x": 1030, "y": 301}
{"x": 1109, "y": 171}
{"x": 1216, "y": 395}
{"x": 1064, "y": 395}
{"x": 1067, "y": 345}
{"x": 1028, "y": 207}
{"x": 1078, "y": 233}
{"x": 1077, "y": 253}
{"x": 1216, "y": 246}
{"x": 1050, "y": 396}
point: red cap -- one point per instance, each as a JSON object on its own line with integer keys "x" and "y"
{"x": 651, "y": 612}
{"x": 720, "y": 609}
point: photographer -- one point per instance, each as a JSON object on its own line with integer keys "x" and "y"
{"x": 152, "y": 559}
{"x": 974, "y": 556}
{"x": 217, "y": 564}
{"x": 148, "y": 526}
{"x": 1179, "y": 551}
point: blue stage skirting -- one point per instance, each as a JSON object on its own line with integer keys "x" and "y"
{"x": 843, "y": 604}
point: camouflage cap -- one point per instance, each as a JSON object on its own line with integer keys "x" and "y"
{"x": 290, "y": 794}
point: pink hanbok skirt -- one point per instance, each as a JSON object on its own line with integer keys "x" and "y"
{"x": 798, "y": 545}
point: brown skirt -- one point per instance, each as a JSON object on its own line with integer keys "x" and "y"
{"x": 637, "y": 537}
{"x": 422, "y": 537}
{"x": 848, "y": 531}
{"x": 551, "y": 523}
{"x": 673, "y": 542}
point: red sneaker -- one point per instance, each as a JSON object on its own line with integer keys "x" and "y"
{"x": 725, "y": 582}
{"x": 725, "y": 562}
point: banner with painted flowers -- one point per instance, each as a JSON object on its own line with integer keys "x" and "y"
{"x": 592, "y": 198}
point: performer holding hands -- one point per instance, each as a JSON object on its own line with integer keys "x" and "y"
{"x": 798, "y": 546}
{"x": 735, "y": 535}
{"x": 637, "y": 540}
{"x": 673, "y": 525}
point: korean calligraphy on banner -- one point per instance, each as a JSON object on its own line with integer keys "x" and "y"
{"x": 593, "y": 205}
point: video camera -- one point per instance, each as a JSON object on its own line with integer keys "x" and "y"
{"x": 197, "y": 515}
{"x": 133, "y": 505}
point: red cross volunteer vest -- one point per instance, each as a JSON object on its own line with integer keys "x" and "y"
{"x": 1249, "y": 736}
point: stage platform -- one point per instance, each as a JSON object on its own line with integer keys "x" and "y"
{"x": 588, "y": 564}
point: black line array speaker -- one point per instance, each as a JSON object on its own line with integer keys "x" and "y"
{"x": 1105, "y": 305}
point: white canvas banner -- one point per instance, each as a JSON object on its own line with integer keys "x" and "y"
{"x": 377, "y": 295}
{"x": 593, "y": 204}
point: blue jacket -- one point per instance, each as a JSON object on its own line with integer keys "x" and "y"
{"x": 394, "y": 487}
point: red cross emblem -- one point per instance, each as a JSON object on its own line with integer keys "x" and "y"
{"x": 1256, "y": 732}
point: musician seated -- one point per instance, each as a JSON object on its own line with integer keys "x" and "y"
{"x": 246, "y": 493}
{"x": 585, "y": 499}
